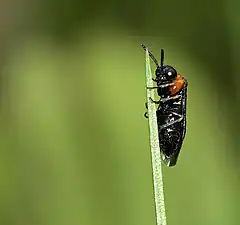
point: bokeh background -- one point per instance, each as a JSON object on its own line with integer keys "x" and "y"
{"x": 74, "y": 142}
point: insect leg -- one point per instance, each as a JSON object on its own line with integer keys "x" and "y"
{"x": 152, "y": 87}
{"x": 146, "y": 113}
{"x": 156, "y": 102}
{"x": 173, "y": 122}
{"x": 161, "y": 86}
{"x": 170, "y": 98}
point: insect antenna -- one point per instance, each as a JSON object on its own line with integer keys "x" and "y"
{"x": 162, "y": 57}
{"x": 151, "y": 55}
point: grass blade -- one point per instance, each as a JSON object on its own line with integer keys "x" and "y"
{"x": 155, "y": 150}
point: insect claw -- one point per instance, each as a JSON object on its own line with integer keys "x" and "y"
{"x": 156, "y": 102}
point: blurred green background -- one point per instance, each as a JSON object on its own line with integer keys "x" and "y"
{"x": 74, "y": 142}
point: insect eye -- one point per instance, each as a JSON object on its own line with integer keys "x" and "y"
{"x": 171, "y": 73}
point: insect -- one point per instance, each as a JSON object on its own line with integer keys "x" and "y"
{"x": 171, "y": 111}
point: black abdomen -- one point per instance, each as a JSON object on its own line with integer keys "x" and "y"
{"x": 171, "y": 136}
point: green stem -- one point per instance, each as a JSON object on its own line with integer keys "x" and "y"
{"x": 155, "y": 150}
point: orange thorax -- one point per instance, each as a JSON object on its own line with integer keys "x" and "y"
{"x": 178, "y": 85}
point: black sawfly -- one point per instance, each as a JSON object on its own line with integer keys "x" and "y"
{"x": 171, "y": 112}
